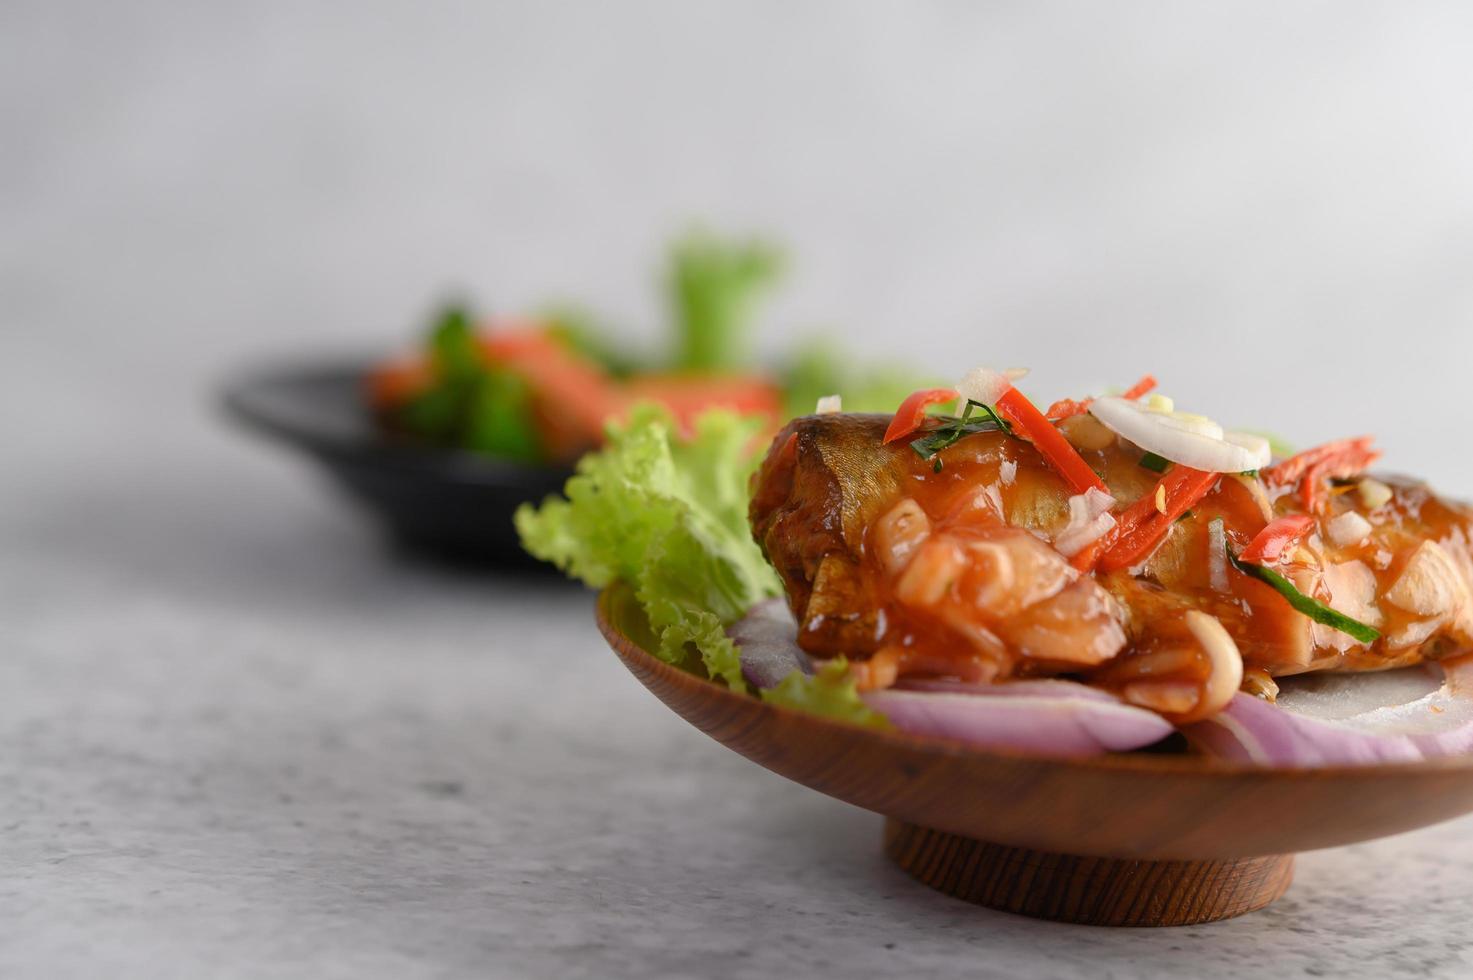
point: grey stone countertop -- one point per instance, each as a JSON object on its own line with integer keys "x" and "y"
{"x": 244, "y": 738}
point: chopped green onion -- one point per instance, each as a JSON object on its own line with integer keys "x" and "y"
{"x": 1003, "y": 425}
{"x": 1154, "y": 463}
{"x": 953, "y": 428}
{"x": 1311, "y": 607}
{"x": 1251, "y": 474}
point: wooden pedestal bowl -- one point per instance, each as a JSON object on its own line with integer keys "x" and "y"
{"x": 1122, "y": 840}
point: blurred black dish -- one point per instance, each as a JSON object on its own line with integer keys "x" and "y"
{"x": 455, "y": 504}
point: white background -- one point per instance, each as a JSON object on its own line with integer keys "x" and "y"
{"x": 1269, "y": 205}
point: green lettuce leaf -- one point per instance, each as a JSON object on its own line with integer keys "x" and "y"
{"x": 667, "y": 516}
{"x": 714, "y": 287}
{"x": 830, "y": 692}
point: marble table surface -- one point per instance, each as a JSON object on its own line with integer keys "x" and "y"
{"x": 245, "y": 738}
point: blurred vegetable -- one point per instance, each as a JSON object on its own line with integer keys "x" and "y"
{"x": 828, "y": 691}
{"x": 818, "y": 370}
{"x": 714, "y": 287}
{"x": 668, "y": 517}
{"x": 543, "y": 389}
{"x": 584, "y": 334}
{"x": 468, "y": 401}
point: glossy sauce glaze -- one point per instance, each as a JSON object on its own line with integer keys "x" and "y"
{"x": 908, "y": 570}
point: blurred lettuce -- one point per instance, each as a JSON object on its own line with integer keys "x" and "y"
{"x": 714, "y": 287}
{"x": 667, "y": 516}
{"x": 818, "y": 369}
{"x": 829, "y": 691}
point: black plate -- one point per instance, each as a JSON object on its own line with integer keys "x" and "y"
{"x": 453, "y": 503}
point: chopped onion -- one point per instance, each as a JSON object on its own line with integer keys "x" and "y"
{"x": 1217, "y": 575}
{"x": 767, "y": 638}
{"x": 1089, "y": 520}
{"x": 1181, "y": 439}
{"x": 1347, "y": 529}
{"x": 829, "y": 405}
{"x": 985, "y": 386}
{"x": 1348, "y": 719}
{"x": 1373, "y": 493}
{"x": 1431, "y": 584}
{"x": 1049, "y": 717}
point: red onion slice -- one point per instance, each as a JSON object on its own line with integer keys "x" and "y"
{"x": 1348, "y": 719}
{"x": 1054, "y": 717}
{"x": 1051, "y": 717}
{"x": 767, "y": 639}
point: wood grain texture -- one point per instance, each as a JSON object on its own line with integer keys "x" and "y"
{"x": 1155, "y": 807}
{"x": 1086, "y": 890}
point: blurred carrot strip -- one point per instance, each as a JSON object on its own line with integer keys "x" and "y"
{"x": 1067, "y": 407}
{"x": 395, "y": 382}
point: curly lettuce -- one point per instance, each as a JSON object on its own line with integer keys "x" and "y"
{"x": 829, "y": 691}
{"x": 668, "y": 517}
{"x": 715, "y": 284}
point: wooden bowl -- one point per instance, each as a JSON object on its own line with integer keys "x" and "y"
{"x": 1136, "y": 839}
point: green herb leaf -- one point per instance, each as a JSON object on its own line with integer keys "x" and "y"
{"x": 830, "y": 692}
{"x": 953, "y": 428}
{"x": 1003, "y": 425}
{"x": 1155, "y": 463}
{"x": 1310, "y": 606}
{"x": 714, "y": 286}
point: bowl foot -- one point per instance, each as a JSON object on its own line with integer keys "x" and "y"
{"x": 1086, "y": 890}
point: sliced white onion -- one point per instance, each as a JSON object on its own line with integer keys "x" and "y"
{"x": 1255, "y": 444}
{"x": 829, "y": 405}
{"x": 1348, "y": 719}
{"x": 1196, "y": 424}
{"x": 1217, "y": 575}
{"x": 1175, "y": 440}
{"x": 1052, "y": 717}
